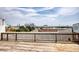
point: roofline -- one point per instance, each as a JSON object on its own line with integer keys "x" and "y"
{"x": 54, "y": 26}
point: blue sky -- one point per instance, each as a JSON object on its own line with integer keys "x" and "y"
{"x": 51, "y": 16}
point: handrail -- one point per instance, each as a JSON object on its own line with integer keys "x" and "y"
{"x": 39, "y": 33}
{"x": 73, "y": 35}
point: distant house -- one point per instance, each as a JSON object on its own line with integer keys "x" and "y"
{"x": 2, "y": 25}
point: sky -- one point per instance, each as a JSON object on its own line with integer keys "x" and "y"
{"x": 51, "y": 16}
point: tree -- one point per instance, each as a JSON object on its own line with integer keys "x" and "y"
{"x": 23, "y": 28}
{"x": 30, "y": 26}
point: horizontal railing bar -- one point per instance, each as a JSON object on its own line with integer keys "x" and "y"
{"x": 51, "y": 33}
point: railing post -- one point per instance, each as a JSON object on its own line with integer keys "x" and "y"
{"x": 55, "y": 38}
{"x": 34, "y": 37}
{"x": 78, "y": 37}
{"x": 15, "y": 36}
{"x": 1, "y": 36}
{"x": 73, "y": 37}
{"x": 7, "y": 36}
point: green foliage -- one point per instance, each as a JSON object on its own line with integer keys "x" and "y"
{"x": 17, "y": 30}
{"x": 25, "y": 28}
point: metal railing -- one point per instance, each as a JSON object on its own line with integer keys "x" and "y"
{"x": 39, "y": 36}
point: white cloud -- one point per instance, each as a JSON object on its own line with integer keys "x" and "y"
{"x": 10, "y": 12}
{"x": 10, "y": 8}
{"x": 68, "y": 11}
{"x": 16, "y": 16}
{"x": 32, "y": 14}
{"x": 29, "y": 10}
{"x": 41, "y": 20}
{"x": 46, "y": 8}
{"x": 51, "y": 15}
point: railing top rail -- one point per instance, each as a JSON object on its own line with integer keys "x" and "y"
{"x": 40, "y": 33}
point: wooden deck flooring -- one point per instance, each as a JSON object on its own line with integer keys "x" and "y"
{"x": 6, "y": 46}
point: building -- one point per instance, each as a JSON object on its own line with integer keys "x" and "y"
{"x": 56, "y": 29}
{"x": 76, "y": 27}
{"x": 2, "y": 25}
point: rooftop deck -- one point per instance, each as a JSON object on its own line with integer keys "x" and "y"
{"x": 37, "y": 47}
{"x": 39, "y": 41}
